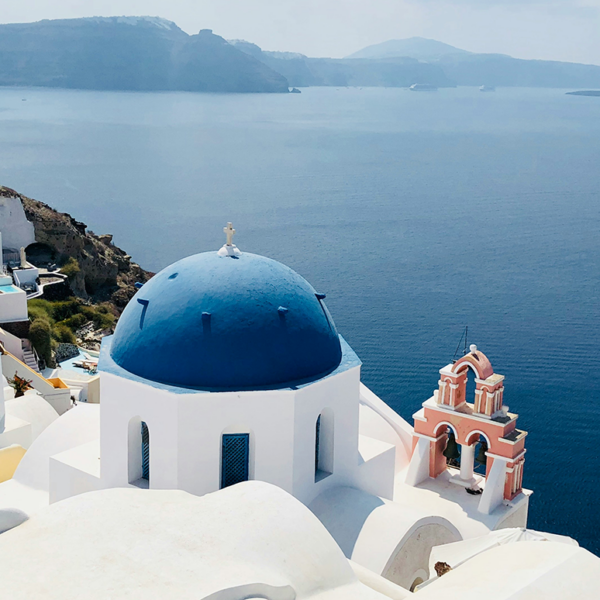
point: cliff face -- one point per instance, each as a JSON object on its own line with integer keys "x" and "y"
{"x": 106, "y": 272}
{"x": 127, "y": 53}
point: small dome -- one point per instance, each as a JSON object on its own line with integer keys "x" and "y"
{"x": 227, "y": 323}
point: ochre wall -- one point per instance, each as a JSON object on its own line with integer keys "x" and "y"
{"x": 10, "y": 457}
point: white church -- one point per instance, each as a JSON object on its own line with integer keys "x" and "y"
{"x": 235, "y": 454}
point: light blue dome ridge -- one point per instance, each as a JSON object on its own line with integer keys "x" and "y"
{"x": 227, "y": 323}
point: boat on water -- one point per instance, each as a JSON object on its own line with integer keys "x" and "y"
{"x": 487, "y": 88}
{"x": 423, "y": 87}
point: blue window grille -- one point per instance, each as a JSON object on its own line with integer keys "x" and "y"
{"x": 317, "y": 442}
{"x": 234, "y": 458}
{"x": 145, "y": 452}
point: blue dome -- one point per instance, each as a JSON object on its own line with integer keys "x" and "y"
{"x": 227, "y": 323}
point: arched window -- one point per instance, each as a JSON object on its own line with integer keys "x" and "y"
{"x": 235, "y": 458}
{"x": 139, "y": 453}
{"x": 317, "y": 442}
{"x": 481, "y": 446}
{"x": 145, "y": 452}
{"x": 452, "y": 448}
{"x": 324, "y": 444}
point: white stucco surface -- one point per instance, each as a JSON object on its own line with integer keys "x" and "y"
{"x": 11, "y": 343}
{"x": 33, "y": 409}
{"x": 24, "y": 418}
{"x": 250, "y": 540}
{"x": 443, "y": 498}
{"x": 78, "y": 426}
{"x": 17, "y": 231}
{"x": 28, "y": 489}
{"x": 375, "y": 532}
{"x": 15, "y": 431}
{"x": 460, "y": 552}
{"x": 13, "y": 306}
{"x": 59, "y": 398}
{"x": 522, "y": 571}
{"x": 379, "y": 421}
{"x": 186, "y": 429}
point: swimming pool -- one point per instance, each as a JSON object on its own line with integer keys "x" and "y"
{"x": 9, "y": 289}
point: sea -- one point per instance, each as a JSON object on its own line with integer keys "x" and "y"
{"x": 416, "y": 213}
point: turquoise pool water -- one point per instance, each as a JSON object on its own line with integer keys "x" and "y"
{"x": 8, "y": 289}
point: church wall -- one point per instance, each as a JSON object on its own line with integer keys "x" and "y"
{"x": 74, "y": 472}
{"x": 122, "y": 400}
{"x": 375, "y": 426}
{"x": 376, "y": 471}
{"x": 340, "y": 393}
{"x": 203, "y": 418}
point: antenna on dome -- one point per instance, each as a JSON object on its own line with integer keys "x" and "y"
{"x": 229, "y": 248}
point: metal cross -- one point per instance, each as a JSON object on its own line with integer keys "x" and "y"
{"x": 229, "y": 232}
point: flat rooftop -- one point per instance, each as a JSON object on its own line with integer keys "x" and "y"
{"x": 446, "y": 499}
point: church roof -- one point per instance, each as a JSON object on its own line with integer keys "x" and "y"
{"x": 227, "y": 322}
{"x": 251, "y": 540}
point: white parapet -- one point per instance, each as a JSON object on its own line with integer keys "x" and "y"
{"x": 418, "y": 470}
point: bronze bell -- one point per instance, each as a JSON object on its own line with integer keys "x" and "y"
{"x": 481, "y": 458}
{"x": 451, "y": 451}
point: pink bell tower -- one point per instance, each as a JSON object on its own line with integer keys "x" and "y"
{"x": 486, "y": 417}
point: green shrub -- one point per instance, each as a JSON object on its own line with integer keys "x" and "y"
{"x": 101, "y": 319}
{"x": 56, "y": 322}
{"x": 36, "y": 313}
{"x": 40, "y": 309}
{"x": 63, "y": 334}
{"x": 64, "y": 309}
{"x": 74, "y": 322}
{"x": 71, "y": 268}
{"x": 40, "y": 335}
{"x": 104, "y": 321}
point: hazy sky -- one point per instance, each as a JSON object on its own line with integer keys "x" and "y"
{"x": 549, "y": 29}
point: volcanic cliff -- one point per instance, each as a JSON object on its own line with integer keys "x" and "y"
{"x": 105, "y": 272}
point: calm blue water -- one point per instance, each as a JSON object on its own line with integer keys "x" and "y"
{"x": 416, "y": 213}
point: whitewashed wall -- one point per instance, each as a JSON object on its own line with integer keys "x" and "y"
{"x": 13, "y": 307}
{"x": 186, "y": 434}
{"x": 17, "y": 231}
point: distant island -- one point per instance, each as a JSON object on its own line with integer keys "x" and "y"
{"x": 402, "y": 63}
{"x": 303, "y": 71}
{"x": 584, "y": 93}
{"x": 153, "y": 54}
{"x": 415, "y": 47}
{"x": 494, "y": 70}
{"x": 128, "y": 53}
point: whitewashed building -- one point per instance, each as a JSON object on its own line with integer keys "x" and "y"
{"x": 227, "y": 367}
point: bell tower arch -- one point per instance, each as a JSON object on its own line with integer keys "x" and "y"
{"x": 449, "y": 428}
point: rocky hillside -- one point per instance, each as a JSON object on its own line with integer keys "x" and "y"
{"x": 102, "y": 271}
{"x": 128, "y": 53}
